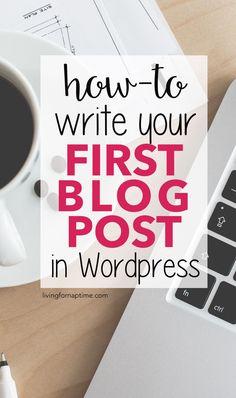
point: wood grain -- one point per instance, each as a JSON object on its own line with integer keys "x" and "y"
{"x": 54, "y": 346}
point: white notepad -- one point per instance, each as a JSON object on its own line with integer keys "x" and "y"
{"x": 141, "y": 27}
{"x": 94, "y": 26}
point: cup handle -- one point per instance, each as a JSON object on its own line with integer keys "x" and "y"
{"x": 12, "y": 250}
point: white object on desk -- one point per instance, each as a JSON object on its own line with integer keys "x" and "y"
{"x": 7, "y": 383}
{"x": 22, "y": 202}
{"x": 77, "y": 25}
{"x": 134, "y": 27}
{"x": 141, "y": 27}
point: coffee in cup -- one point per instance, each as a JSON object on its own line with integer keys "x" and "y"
{"x": 19, "y": 137}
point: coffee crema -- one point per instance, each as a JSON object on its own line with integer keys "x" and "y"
{"x": 16, "y": 131}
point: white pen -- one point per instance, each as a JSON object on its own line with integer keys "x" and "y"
{"x": 7, "y": 383}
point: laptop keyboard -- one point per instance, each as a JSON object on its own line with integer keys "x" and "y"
{"x": 224, "y": 303}
{"x": 219, "y": 255}
{"x": 196, "y": 296}
{"x": 223, "y": 221}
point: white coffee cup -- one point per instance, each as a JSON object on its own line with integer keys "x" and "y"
{"x": 12, "y": 249}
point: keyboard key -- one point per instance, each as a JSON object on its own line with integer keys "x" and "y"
{"x": 217, "y": 255}
{"x": 229, "y": 191}
{"x": 223, "y": 221}
{"x": 223, "y": 305}
{"x": 196, "y": 296}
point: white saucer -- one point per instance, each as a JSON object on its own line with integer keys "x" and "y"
{"x": 24, "y": 51}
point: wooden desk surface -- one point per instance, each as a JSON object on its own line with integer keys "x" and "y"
{"x": 55, "y": 346}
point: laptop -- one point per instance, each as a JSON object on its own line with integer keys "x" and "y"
{"x": 163, "y": 350}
